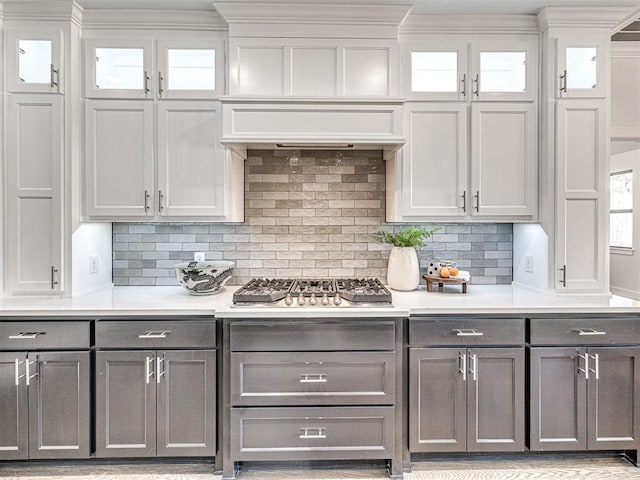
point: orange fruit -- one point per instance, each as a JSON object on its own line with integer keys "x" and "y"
{"x": 444, "y": 272}
{"x": 453, "y": 271}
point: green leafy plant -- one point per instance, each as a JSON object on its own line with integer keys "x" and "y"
{"x": 405, "y": 237}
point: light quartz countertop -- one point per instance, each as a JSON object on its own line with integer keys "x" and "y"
{"x": 175, "y": 301}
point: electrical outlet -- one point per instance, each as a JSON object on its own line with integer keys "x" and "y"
{"x": 198, "y": 256}
{"x": 93, "y": 264}
{"x": 528, "y": 263}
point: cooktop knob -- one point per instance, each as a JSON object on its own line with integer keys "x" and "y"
{"x": 312, "y": 300}
{"x": 288, "y": 300}
{"x": 325, "y": 299}
{"x": 337, "y": 300}
{"x": 301, "y": 299}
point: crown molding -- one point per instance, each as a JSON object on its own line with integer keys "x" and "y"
{"x": 589, "y": 17}
{"x": 625, "y": 49}
{"x": 372, "y": 13}
{"x": 421, "y": 23}
{"x": 111, "y": 19}
{"x": 58, "y": 10}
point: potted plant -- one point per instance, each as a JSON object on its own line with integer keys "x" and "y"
{"x": 403, "y": 272}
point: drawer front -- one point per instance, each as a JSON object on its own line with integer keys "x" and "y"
{"x": 466, "y": 331}
{"x": 306, "y": 378}
{"x": 321, "y": 433}
{"x": 156, "y": 334}
{"x": 300, "y": 336}
{"x": 44, "y": 335}
{"x": 584, "y": 331}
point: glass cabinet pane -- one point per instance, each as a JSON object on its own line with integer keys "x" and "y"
{"x": 191, "y": 69}
{"x": 34, "y": 61}
{"x": 434, "y": 71}
{"x": 503, "y": 71}
{"x": 581, "y": 67}
{"x": 120, "y": 68}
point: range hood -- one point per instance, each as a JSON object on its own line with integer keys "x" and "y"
{"x": 312, "y": 124}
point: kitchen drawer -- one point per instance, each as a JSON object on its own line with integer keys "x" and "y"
{"x": 466, "y": 331}
{"x": 256, "y": 336}
{"x": 584, "y": 331}
{"x": 321, "y": 433}
{"x": 311, "y": 378}
{"x": 156, "y": 334}
{"x": 44, "y": 335}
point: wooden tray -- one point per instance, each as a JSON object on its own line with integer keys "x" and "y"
{"x": 441, "y": 281}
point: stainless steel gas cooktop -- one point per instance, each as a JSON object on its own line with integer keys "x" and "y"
{"x": 313, "y": 292}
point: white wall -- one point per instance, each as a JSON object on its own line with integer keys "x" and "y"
{"x": 529, "y": 239}
{"x": 91, "y": 239}
{"x": 625, "y": 264}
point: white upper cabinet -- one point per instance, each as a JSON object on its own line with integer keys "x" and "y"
{"x": 583, "y": 67}
{"x": 118, "y": 68}
{"x": 34, "y": 60}
{"x": 132, "y": 68}
{"x": 482, "y": 69}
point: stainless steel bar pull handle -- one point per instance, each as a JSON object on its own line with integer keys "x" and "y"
{"x": 146, "y": 200}
{"x": 596, "y": 364}
{"x": 473, "y": 370}
{"x": 313, "y": 433}
{"x": 476, "y": 83}
{"x": 563, "y": 82}
{"x": 17, "y": 372}
{"x": 313, "y": 378}
{"x": 54, "y": 282}
{"x": 146, "y": 82}
{"x": 464, "y": 201}
{"x": 160, "y": 79}
{"x": 25, "y": 335}
{"x": 584, "y": 370}
{"x": 463, "y": 83}
{"x": 563, "y": 269}
{"x": 155, "y": 334}
{"x": 477, "y": 197}
{"x": 462, "y": 365}
{"x": 588, "y": 331}
{"x": 160, "y": 198}
{"x": 467, "y": 332}
{"x": 147, "y": 369}
{"x": 55, "y": 77}
{"x": 160, "y": 368}
{"x": 28, "y": 371}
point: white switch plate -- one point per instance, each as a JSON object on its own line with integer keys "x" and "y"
{"x": 198, "y": 256}
{"x": 528, "y": 263}
{"x": 93, "y": 264}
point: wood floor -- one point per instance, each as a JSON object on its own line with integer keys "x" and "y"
{"x": 548, "y": 468}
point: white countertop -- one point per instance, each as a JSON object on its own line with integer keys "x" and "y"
{"x": 163, "y": 301}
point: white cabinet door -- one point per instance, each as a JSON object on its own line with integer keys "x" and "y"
{"x": 434, "y": 165}
{"x": 504, "y": 69}
{"x": 190, "y": 159}
{"x": 581, "y": 183}
{"x": 583, "y": 67}
{"x": 504, "y": 156}
{"x": 119, "y": 158}
{"x": 34, "y": 193}
{"x": 119, "y": 68}
{"x": 34, "y": 60}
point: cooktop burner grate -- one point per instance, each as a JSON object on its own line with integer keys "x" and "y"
{"x": 309, "y": 286}
{"x": 261, "y": 290}
{"x": 363, "y": 290}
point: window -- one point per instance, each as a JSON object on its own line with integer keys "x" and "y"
{"x": 621, "y": 215}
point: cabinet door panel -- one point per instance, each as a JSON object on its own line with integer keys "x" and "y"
{"x": 583, "y": 66}
{"x": 59, "y": 405}
{"x": 13, "y": 407}
{"x": 495, "y": 400}
{"x": 34, "y": 60}
{"x": 504, "y": 159}
{"x": 435, "y": 160}
{"x": 34, "y": 196}
{"x": 186, "y": 403}
{"x": 190, "y": 159}
{"x": 119, "y": 158}
{"x": 125, "y": 404}
{"x": 613, "y": 408}
{"x": 437, "y": 399}
{"x": 558, "y": 399}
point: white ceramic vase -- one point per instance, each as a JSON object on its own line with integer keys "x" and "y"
{"x": 403, "y": 272}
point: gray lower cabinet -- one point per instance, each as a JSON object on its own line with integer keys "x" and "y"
{"x": 585, "y": 398}
{"x": 44, "y": 405}
{"x": 466, "y": 399}
{"x": 155, "y": 403}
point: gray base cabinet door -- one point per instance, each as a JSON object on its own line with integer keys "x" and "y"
{"x": 126, "y": 404}
{"x": 495, "y": 400}
{"x": 558, "y": 399}
{"x": 59, "y": 405}
{"x": 14, "y": 420}
{"x": 186, "y": 403}
{"x": 613, "y": 406}
{"x": 437, "y": 400}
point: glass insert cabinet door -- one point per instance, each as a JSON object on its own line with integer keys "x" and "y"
{"x": 580, "y": 68}
{"x": 34, "y": 61}
{"x": 438, "y": 70}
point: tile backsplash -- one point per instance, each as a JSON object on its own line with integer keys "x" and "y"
{"x": 307, "y": 213}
